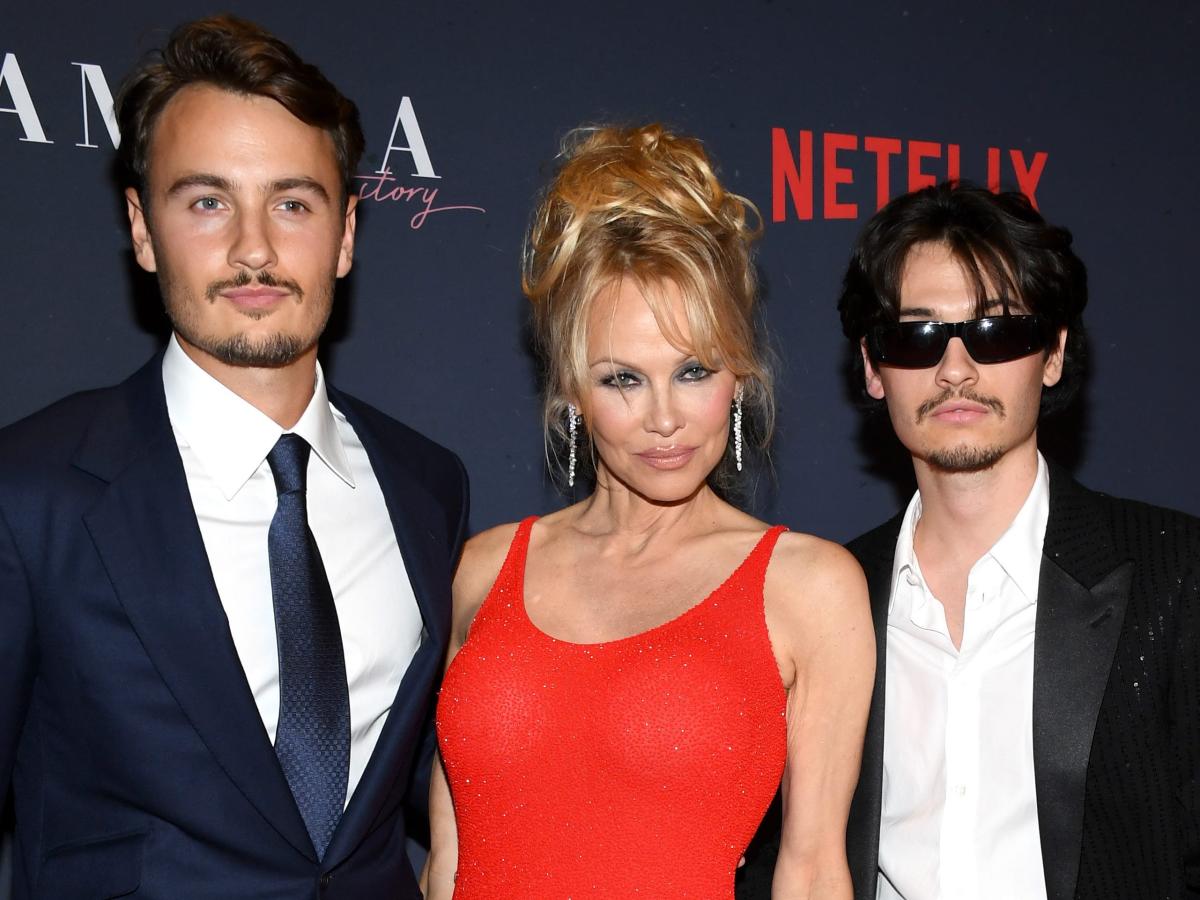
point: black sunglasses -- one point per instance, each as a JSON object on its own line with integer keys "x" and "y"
{"x": 994, "y": 339}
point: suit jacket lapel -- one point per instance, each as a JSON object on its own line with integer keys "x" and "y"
{"x": 415, "y": 514}
{"x": 145, "y": 531}
{"x": 875, "y": 552}
{"x": 1082, "y": 595}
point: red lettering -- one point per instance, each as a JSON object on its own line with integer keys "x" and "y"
{"x": 884, "y": 149}
{"x": 793, "y": 171}
{"x": 917, "y": 151}
{"x": 786, "y": 179}
{"x": 993, "y": 176}
{"x": 835, "y": 175}
{"x": 1028, "y": 176}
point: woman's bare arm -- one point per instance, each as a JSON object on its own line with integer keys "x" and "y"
{"x": 481, "y": 560}
{"x": 820, "y": 622}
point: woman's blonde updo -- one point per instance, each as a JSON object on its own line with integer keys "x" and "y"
{"x": 645, "y": 204}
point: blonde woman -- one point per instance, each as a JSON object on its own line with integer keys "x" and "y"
{"x": 631, "y": 677}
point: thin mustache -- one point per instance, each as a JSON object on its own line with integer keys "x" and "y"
{"x": 244, "y": 279}
{"x": 930, "y": 405}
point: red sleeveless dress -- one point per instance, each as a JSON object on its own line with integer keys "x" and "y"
{"x": 638, "y": 767}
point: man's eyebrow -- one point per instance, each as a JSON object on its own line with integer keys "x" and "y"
{"x": 300, "y": 183}
{"x": 918, "y": 312}
{"x": 200, "y": 179}
{"x": 923, "y": 313}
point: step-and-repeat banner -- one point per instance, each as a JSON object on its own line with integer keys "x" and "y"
{"x": 819, "y": 112}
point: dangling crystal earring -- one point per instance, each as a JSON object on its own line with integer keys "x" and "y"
{"x": 737, "y": 427}
{"x": 573, "y": 434}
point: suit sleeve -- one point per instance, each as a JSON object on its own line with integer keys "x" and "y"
{"x": 17, "y": 643}
{"x": 417, "y": 798}
{"x": 1185, "y": 690}
{"x": 459, "y": 536}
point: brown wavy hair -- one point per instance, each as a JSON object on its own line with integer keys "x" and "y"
{"x": 1006, "y": 250}
{"x": 237, "y": 56}
{"x": 644, "y": 203}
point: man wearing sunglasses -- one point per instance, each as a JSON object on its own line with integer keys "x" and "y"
{"x": 1035, "y": 729}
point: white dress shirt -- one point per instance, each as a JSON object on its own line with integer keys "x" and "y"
{"x": 959, "y": 818}
{"x": 224, "y": 442}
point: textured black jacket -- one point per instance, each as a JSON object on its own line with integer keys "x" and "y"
{"x": 1116, "y": 706}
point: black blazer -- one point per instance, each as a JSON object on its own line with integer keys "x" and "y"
{"x": 1116, "y": 700}
{"x": 137, "y": 758}
{"x": 1116, "y": 706}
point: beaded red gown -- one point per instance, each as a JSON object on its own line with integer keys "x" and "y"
{"x": 638, "y": 767}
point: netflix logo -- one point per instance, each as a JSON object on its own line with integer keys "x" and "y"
{"x": 848, "y": 159}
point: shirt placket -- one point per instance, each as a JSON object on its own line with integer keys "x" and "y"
{"x": 960, "y": 820}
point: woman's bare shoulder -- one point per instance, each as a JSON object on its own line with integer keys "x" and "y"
{"x": 809, "y": 575}
{"x": 807, "y": 556}
{"x": 817, "y": 609}
{"x": 482, "y": 557}
{"x": 490, "y": 543}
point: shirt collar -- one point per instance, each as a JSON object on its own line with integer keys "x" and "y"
{"x": 229, "y": 437}
{"x": 1018, "y": 551}
{"x": 905, "y": 562}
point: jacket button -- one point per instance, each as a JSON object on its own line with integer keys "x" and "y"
{"x": 323, "y": 881}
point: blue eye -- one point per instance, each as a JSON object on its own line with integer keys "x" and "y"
{"x": 619, "y": 380}
{"x": 694, "y": 372}
{"x": 208, "y": 204}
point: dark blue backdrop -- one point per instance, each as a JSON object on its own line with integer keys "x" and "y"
{"x": 430, "y": 323}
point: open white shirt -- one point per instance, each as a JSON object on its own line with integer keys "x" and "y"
{"x": 959, "y": 818}
{"x": 223, "y": 442}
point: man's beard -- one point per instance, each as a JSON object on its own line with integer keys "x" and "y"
{"x": 270, "y": 351}
{"x": 962, "y": 458}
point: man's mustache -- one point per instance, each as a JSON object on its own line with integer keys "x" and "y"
{"x": 245, "y": 279}
{"x": 933, "y": 403}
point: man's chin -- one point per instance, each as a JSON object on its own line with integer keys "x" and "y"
{"x": 963, "y": 459}
{"x": 272, "y": 351}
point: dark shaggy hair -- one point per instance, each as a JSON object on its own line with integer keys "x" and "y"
{"x": 237, "y": 56}
{"x": 1006, "y": 249}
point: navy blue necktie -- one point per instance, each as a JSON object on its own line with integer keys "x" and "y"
{"x": 313, "y": 738}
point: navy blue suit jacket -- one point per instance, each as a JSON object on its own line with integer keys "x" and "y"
{"x": 138, "y": 761}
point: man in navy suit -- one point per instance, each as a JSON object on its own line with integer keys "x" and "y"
{"x": 224, "y": 586}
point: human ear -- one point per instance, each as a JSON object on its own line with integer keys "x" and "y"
{"x": 346, "y": 246}
{"x": 139, "y": 231}
{"x": 1053, "y": 367}
{"x": 873, "y": 383}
